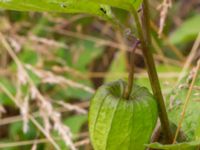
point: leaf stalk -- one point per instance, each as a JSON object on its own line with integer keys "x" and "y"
{"x": 129, "y": 87}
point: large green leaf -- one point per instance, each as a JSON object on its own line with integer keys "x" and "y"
{"x": 94, "y": 7}
{"x": 64, "y": 6}
{"x": 187, "y": 31}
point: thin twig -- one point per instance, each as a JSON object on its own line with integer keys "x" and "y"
{"x": 190, "y": 58}
{"x": 164, "y": 8}
{"x": 13, "y": 119}
{"x": 39, "y": 141}
{"x": 49, "y": 77}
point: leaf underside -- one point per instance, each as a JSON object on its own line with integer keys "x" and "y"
{"x": 99, "y": 8}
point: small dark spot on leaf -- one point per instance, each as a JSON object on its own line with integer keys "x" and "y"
{"x": 63, "y": 5}
{"x": 103, "y": 10}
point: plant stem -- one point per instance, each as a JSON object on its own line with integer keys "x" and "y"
{"x": 146, "y": 49}
{"x": 131, "y": 71}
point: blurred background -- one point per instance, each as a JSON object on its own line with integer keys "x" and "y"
{"x": 51, "y": 64}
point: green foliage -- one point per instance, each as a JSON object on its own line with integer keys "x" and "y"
{"x": 67, "y": 6}
{"x": 119, "y": 124}
{"x": 16, "y": 134}
{"x": 79, "y": 59}
{"x": 28, "y": 56}
{"x": 124, "y": 4}
{"x": 85, "y": 53}
{"x": 4, "y": 99}
{"x": 166, "y": 81}
{"x": 176, "y": 101}
{"x": 187, "y": 31}
{"x": 75, "y": 123}
{"x": 190, "y": 125}
{"x": 95, "y": 7}
{"x": 16, "y": 131}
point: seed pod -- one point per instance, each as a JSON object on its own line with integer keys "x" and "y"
{"x": 119, "y": 124}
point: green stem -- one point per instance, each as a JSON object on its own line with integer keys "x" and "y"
{"x": 146, "y": 22}
{"x": 146, "y": 49}
{"x": 131, "y": 72}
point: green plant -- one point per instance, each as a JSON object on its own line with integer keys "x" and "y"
{"x": 119, "y": 123}
{"x": 125, "y": 99}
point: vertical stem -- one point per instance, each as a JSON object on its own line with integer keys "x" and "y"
{"x": 146, "y": 49}
{"x": 131, "y": 72}
{"x": 146, "y": 22}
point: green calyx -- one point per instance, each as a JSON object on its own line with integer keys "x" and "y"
{"x": 119, "y": 124}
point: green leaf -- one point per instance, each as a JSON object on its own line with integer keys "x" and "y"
{"x": 75, "y": 123}
{"x": 180, "y": 146}
{"x": 175, "y": 103}
{"x": 124, "y": 4}
{"x": 119, "y": 124}
{"x": 93, "y": 7}
{"x": 84, "y": 53}
{"x": 80, "y": 94}
{"x": 187, "y": 31}
{"x": 4, "y": 99}
{"x": 62, "y": 6}
{"x": 28, "y": 57}
{"x": 16, "y": 131}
